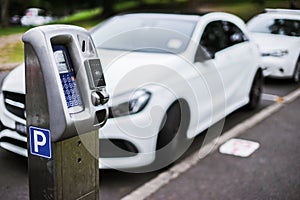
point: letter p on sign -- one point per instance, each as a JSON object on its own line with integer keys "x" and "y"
{"x": 40, "y": 142}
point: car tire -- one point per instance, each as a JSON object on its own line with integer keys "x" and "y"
{"x": 296, "y": 75}
{"x": 255, "y": 91}
{"x": 1, "y": 126}
{"x": 172, "y": 139}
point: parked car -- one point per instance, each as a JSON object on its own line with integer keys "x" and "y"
{"x": 170, "y": 77}
{"x": 277, "y": 32}
{"x": 35, "y": 17}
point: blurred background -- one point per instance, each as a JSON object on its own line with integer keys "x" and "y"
{"x": 17, "y": 16}
{"x": 91, "y": 11}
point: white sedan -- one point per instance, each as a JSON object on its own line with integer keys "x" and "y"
{"x": 170, "y": 76}
{"x": 277, "y": 32}
{"x": 35, "y": 17}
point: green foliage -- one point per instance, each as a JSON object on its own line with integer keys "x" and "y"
{"x": 80, "y": 16}
{"x": 13, "y": 30}
{"x": 164, "y": 1}
{"x": 86, "y": 18}
{"x": 126, "y": 5}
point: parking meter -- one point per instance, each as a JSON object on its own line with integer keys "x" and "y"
{"x": 65, "y": 106}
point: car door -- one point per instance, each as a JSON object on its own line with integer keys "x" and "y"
{"x": 235, "y": 63}
{"x": 227, "y": 46}
{"x": 212, "y": 42}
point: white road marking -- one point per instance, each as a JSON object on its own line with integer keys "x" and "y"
{"x": 148, "y": 188}
{"x": 239, "y": 147}
{"x": 270, "y": 97}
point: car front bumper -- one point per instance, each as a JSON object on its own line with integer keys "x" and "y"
{"x": 10, "y": 138}
{"x": 13, "y": 141}
{"x": 129, "y": 141}
{"x": 278, "y": 67}
{"x": 125, "y": 142}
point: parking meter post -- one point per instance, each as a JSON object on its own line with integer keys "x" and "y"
{"x": 78, "y": 175}
{"x": 64, "y": 112}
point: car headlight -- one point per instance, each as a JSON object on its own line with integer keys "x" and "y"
{"x": 129, "y": 103}
{"x": 276, "y": 53}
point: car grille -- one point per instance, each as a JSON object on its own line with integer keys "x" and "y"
{"x": 15, "y": 103}
{"x": 14, "y": 142}
{"x": 113, "y": 148}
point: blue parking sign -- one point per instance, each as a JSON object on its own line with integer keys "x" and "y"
{"x": 40, "y": 142}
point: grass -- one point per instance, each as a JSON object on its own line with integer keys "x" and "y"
{"x": 13, "y": 53}
{"x": 13, "y": 30}
{"x": 16, "y": 52}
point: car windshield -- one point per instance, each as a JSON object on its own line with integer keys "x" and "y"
{"x": 146, "y": 34}
{"x": 287, "y": 27}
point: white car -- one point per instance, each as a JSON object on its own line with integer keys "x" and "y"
{"x": 277, "y": 32}
{"x": 35, "y": 17}
{"x": 170, "y": 76}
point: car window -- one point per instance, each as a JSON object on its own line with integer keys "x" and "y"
{"x": 145, "y": 34}
{"x": 219, "y": 35}
{"x": 213, "y": 38}
{"x": 276, "y": 26}
{"x": 285, "y": 27}
{"x": 234, "y": 35}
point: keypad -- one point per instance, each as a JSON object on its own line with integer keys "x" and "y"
{"x": 70, "y": 90}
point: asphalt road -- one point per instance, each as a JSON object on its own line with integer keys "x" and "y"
{"x": 271, "y": 172}
{"x": 115, "y": 184}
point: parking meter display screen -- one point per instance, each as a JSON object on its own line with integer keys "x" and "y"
{"x": 67, "y": 76}
{"x": 97, "y": 73}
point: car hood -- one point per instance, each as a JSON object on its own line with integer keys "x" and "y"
{"x": 267, "y": 42}
{"x": 127, "y": 71}
{"x": 15, "y": 80}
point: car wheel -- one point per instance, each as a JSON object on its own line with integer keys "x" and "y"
{"x": 296, "y": 76}
{"x": 256, "y": 90}
{"x": 172, "y": 139}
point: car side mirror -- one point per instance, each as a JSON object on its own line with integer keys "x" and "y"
{"x": 202, "y": 54}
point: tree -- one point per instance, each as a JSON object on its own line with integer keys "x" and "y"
{"x": 293, "y": 4}
{"x": 4, "y": 12}
{"x": 108, "y": 8}
{"x": 193, "y": 4}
